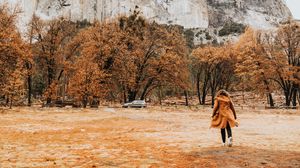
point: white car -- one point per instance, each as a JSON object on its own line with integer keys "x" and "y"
{"x": 136, "y": 104}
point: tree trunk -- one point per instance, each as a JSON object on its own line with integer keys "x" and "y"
{"x": 205, "y": 87}
{"x": 294, "y": 98}
{"x": 269, "y": 95}
{"x": 287, "y": 98}
{"x": 48, "y": 100}
{"x": 84, "y": 101}
{"x": 203, "y": 99}
{"x": 50, "y": 78}
{"x": 243, "y": 92}
{"x": 62, "y": 76}
{"x": 7, "y": 101}
{"x": 212, "y": 98}
{"x": 270, "y": 99}
{"x": 145, "y": 90}
{"x": 159, "y": 96}
{"x": 29, "y": 89}
{"x": 213, "y": 88}
{"x": 143, "y": 96}
{"x": 131, "y": 95}
{"x": 29, "y": 67}
{"x": 204, "y": 93}
{"x": 186, "y": 98}
{"x": 298, "y": 97}
{"x": 198, "y": 88}
{"x": 11, "y": 102}
{"x": 124, "y": 97}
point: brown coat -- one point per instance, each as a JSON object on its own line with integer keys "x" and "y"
{"x": 223, "y": 112}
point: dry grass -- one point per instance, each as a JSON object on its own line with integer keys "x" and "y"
{"x": 152, "y": 137}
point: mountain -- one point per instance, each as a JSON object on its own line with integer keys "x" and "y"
{"x": 188, "y": 13}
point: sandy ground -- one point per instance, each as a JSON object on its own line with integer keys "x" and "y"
{"x": 152, "y": 137}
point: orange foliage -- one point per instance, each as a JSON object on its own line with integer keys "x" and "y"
{"x": 214, "y": 67}
{"x": 138, "y": 56}
{"x": 269, "y": 58}
{"x": 51, "y": 39}
{"x": 253, "y": 61}
{"x": 13, "y": 55}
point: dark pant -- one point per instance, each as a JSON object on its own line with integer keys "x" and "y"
{"x": 228, "y": 132}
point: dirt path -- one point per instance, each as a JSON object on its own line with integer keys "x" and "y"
{"x": 152, "y": 137}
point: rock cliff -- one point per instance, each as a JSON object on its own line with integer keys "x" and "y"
{"x": 188, "y": 13}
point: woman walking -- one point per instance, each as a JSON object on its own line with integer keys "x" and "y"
{"x": 224, "y": 116}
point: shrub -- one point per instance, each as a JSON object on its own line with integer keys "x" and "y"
{"x": 215, "y": 32}
{"x": 215, "y": 42}
{"x": 207, "y": 36}
{"x": 189, "y": 35}
{"x": 232, "y": 27}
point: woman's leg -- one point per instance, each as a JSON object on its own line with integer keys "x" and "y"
{"x": 229, "y": 134}
{"x": 223, "y": 134}
{"x": 228, "y": 128}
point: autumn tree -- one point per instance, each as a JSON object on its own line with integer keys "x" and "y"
{"x": 271, "y": 57}
{"x": 140, "y": 56}
{"x": 88, "y": 74}
{"x": 29, "y": 61}
{"x": 51, "y": 39}
{"x": 156, "y": 55}
{"x": 287, "y": 60}
{"x": 13, "y": 55}
{"x": 214, "y": 69}
{"x": 88, "y": 81}
{"x": 201, "y": 70}
{"x": 14, "y": 88}
{"x": 254, "y": 65}
{"x": 222, "y": 70}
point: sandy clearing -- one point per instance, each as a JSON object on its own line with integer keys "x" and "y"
{"x": 152, "y": 137}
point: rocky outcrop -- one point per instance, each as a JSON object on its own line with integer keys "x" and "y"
{"x": 257, "y": 13}
{"x": 188, "y": 13}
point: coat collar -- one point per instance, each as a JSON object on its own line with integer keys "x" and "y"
{"x": 223, "y": 98}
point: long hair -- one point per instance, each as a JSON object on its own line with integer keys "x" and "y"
{"x": 222, "y": 92}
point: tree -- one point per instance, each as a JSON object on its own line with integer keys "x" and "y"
{"x": 88, "y": 82}
{"x": 222, "y": 70}
{"x": 14, "y": 88}
{"x": 13, "y": 53}
{"x": 88, "y": 76}
{"x": 202, "y": 70}
{"x": 140, "y": 56}
{"x": 287, "y": 42}
{"x": 214, "y": 66}
{"x": 254, "y": 62}
{"x": 268, "y": 57}
{"x": 29, "y": 62}
{"x": 155, "y": 51}
{"x": 51, "y": 39}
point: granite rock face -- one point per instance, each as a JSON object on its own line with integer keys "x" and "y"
{"x": 256, "y": 13}
{"x": 188, "y": 13}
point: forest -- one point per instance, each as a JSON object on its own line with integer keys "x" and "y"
{"x": 130, "y": 57}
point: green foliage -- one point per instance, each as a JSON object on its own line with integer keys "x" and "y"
{"x": 208, "y": 36}
{"x": 215, "y": 42}
{"x": 83, "y": 24}
{"x": 232, "y": 27}
{"x": 189, "y": 35}
{"x": 38, "y": 84}
{"x": 215, "y": 32}
{"x": 198, "y": 34}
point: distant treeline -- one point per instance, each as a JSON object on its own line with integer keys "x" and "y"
{"x": 132, "y": 58}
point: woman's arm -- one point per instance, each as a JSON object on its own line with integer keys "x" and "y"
{"x": 232, "y": 108}
{"x": 216, "y": 106}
